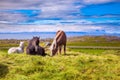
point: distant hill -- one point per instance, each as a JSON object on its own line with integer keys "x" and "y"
{"x": 95, "y": 38}
{"x": 94, "y": 41}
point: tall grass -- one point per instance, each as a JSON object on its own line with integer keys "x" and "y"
{"x": 77, "y": 64}
{"x": 74, "y": 65}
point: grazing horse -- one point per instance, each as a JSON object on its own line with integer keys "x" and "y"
{"x": 59, "y": 41}
{"x": 33, "y": 47}
{"x": 19, "y": 49}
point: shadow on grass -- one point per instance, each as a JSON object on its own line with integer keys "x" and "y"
{"x": 71, "y": 54}
{"x": 3, "y": 70}
{"x": 67, "y": 54}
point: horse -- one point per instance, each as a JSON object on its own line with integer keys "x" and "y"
{"x": 33, "y": 47}
{"x": 59, "y": 41}
{"x": 47, "y": 44}
{"x": 19, "y": 49}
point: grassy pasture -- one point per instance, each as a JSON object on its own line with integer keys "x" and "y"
{"x": 77, "y": 64}
{"x": 94, "y": 41}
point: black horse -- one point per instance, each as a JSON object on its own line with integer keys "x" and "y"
{"x": 33, "y": 47}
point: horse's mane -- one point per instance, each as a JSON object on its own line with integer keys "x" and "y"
{"x": 32, "y": 40}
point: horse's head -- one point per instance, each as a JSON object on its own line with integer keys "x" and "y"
{"x": 36, "y": 40}
{"x": 54, "y": 48}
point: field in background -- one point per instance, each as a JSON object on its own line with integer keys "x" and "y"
{"x": 79, "y": 42}
{"x": 79, "y": 63}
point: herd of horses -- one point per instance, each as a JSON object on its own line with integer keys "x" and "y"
{"x": 34, "y": 48}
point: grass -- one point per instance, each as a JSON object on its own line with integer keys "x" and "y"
{"x": 77, "y": 64}
{"x": 94, "y": 41}
{"x": 94, "y": 44}
{"x": 89, "y": 51}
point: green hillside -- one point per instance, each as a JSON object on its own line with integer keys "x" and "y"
{"x": 77, "y": 64}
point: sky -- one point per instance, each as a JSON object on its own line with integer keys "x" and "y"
{"x": 53, "y": 15}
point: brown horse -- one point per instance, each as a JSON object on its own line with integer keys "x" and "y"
{"x": 59, "y": 41}
{"x": 33, "y": 47}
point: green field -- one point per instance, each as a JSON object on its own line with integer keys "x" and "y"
{"x": 77, "y": 64}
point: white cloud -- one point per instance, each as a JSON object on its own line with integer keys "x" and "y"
{"x": 54, "y": 28}
{"x": 4, "y": 22}
{"x": 38, "y": 4}
{"x": 97, "y": 1}
{"x": 7, "y": 17}
{"x": 33, "y": 4}
{"x": 80, "y": 21}
{"x": 19, "y": 4}
{"x": 59, "y": 8}
{"x": 48, "y": 9}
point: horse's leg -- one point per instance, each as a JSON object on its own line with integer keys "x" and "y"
{"x": 60, "y": 47}
{"x": 39, "y": 51}
{"x": 65, "y": 49}
{"x": 29, "y": 51}
{"x": 43, "y": 54}
{"x": 57, "y": 51}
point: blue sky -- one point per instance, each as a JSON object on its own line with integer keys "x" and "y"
{"x": 67, "y": 15}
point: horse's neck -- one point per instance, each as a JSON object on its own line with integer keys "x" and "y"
{"x": 34, "y": 44}
{"x": 21, "y": 46}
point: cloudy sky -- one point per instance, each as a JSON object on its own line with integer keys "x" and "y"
{"x": 52, "y": 15}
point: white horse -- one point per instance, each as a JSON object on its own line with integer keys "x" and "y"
{"x": 19, "y": 49}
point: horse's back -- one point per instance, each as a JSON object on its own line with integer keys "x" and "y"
{"x": 61, "y": 37}
{"x": 12, "y": 50}
{"x": 30, "y": 49}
